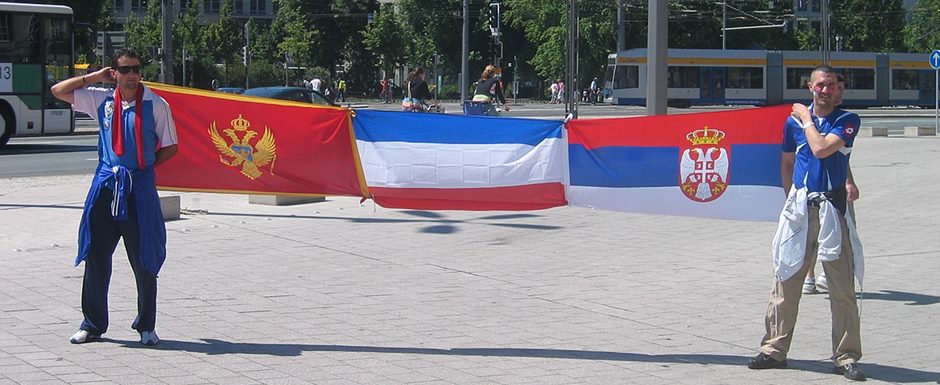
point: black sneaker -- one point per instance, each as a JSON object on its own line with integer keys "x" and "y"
{"x": 764, "y": 361}
{"x": 851, "y": 371}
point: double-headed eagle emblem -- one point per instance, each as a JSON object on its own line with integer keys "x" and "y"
{"x": 703, "y": 168}
{"x": 240, "y": 151}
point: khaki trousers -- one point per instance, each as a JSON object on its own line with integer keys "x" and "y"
{"x": 785, "y": 301}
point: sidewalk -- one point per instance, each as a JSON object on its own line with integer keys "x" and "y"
{"x": 343, "y": 293}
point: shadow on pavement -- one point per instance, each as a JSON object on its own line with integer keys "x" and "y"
{"x": 13, "y": 206}
{"x": 20, "y": 148}
{"x": 903, "y": 296}
{"x": 440, "y": 225}
{"x": 216, "y": 347}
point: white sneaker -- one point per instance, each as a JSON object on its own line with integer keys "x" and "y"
{"x": 83, "y": 336}
{"x": 822, "y": 283}
{"x": 149, "y": 338}
{"x": 809, "y": 287}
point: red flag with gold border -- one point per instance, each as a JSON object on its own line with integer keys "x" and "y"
{"x": 240, "y": 144}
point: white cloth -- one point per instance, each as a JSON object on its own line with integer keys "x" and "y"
{"x": 789, "y": 244}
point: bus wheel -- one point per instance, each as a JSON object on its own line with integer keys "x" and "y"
{"x": 6, "y": 124}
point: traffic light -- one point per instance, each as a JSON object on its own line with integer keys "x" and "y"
{"x": 494, "y": 19}
{"x": 245, "y": 55}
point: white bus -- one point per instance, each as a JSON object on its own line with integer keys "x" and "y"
{"x": 36, "y": 51}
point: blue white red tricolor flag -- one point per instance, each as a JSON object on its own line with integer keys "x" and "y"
{"x": 716, "y": 165}
{"x": 452, "y": 162}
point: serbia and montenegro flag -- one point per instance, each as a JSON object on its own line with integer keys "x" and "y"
{"x": 448, "y": 162}
{"x": 716, "y": 165}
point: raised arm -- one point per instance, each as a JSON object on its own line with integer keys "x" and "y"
{"x": 65, "y": 90}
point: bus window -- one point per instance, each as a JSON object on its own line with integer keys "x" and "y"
{"x": 904, "y": 79}
{"x": 746, "y": 77}
{"x": 22, "y": 38}
{"x": 627, "y": 77}
{"x": 58, "y": 58}
{"x": 798, "y": 78}
{"x": 859, "y": 78}
{"x": 683, "y": 77}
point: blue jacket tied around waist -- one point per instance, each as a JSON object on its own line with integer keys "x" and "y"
{"x": 124, "y": 183}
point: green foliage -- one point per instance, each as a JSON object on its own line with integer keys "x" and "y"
{"x": 298, "y": 38}
{"x": 923, "y": 33}
{"x": 143, "y": 33}
{"x": 865, "y": 25}
{"x": 385, "y": 38}
{"x": 334, "y": 35}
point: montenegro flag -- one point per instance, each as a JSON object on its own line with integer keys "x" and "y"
{"x": 239, "y": 144}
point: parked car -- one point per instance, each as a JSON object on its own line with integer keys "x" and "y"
{"x": 231, "y": 90}
{"x": 298, "y": 94}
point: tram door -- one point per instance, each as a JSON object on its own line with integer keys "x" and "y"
{"x": 713, "y": 85}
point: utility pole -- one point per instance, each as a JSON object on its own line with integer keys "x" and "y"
{"x": 465, "y": 52}
{"x": 247, "y": 52}
{"x": 724, "y": 23}
{"x": 621, "y": 28}
{"x": 656, "y": 52}
{"x": 571, "y": 83}
{"x": 184, "y": 65}
{"x": 824, "y": 29}
{"x": 166, "y": 42}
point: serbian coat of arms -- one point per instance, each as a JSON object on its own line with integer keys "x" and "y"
{"x": 703, "y": 166}
{"x": 240, "y": 152}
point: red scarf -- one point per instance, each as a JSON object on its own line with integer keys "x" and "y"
{"x": 117, "y": 132}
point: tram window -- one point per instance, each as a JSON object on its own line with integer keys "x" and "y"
{"x": 904, "y": 79}
{"x": 745, "y": 77}
{"x": 859, "y": 78}
{"x": 798, "y": 78}
{"x": 627, "y": 77}
{"x": 683, "y": 77}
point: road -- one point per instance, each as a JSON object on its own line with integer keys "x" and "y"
{"x": 77, "y": 154}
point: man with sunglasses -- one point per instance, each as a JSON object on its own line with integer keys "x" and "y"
{"x": 817, "y": 143}
{"x": 136, "y": 134}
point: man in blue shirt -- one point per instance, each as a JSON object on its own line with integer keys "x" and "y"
{"x": 817, "y": 144}
{"x": 136, "y": 134}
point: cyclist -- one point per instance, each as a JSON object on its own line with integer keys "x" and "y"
{"x": 417, "y": 92}
{"x": 488, "y": 89}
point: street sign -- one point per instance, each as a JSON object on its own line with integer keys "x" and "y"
{"x": 934, "y": 59}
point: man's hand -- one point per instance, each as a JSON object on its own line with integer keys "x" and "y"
{"x": 851, "y": 192}
{"x": 801, "y": 113}
{"x": 104, "y": 75}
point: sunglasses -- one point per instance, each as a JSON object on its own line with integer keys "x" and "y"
{"x": 124, "y": 70}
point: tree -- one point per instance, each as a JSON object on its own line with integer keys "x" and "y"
{"x": 359, "y": 61}
{"x": 385, "y": 38}
{"x": 187, "y": 34}
{"x": 142, "y": 34}
{"x": 222, "y": 41}
{"x": 869, "y": 26}
{"x": 923, "y": 33}
{"x": 298, "y": 37}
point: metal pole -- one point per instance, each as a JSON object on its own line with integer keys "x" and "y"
{"x": 621, "y": 33}
{"x": 166, "y": 41}
{"x": 936, "y": 102}
{"x": 724, "y": 23}
{"x": 184, "y": 66}
{"x": 824, "y": 29}
{"x": 247, "y": 52}
{"x": 571, "y": 83}
{"x": 465, "y": 52}
{"x": 657, "y": 56}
